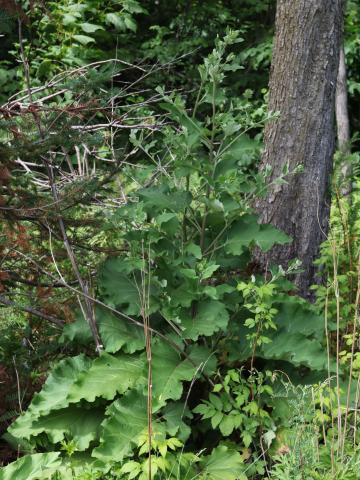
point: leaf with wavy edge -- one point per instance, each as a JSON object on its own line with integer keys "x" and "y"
{"x": 128, "y": 415}
{"x": 54, "y": 394}
{"x": 246, "y": 232}
{"x": 296, "y": 349}
{"x": 127, "y": 420}
{"x": 117, "y": 288}
{"x": 77, "y": 331}
{"x": 79, "y": 378}
{"x": 79, "y": 424}
{"x": 222, "y": 464}
{"x": 210, "y": 317}
{"x": 117, "y": 333}
{"x": 169, "y": 371}
{"x": 107, "y": 375}
{"x": 38, "y": 466}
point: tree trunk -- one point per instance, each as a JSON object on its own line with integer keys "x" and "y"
{"x": 343, "y": 127}
{"x": 302, "y": 89}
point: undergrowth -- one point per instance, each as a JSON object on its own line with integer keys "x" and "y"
{"x": 205, "y": 369}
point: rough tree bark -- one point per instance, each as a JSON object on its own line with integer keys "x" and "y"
{"x": 302, "y": 89}
{"x": 343, "y": 126}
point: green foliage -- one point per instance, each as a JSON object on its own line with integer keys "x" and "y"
{"x": 127, "y": 420}
{"x": 79, "y": 424}
{"x": 223, "y": 464}
{"x": 352, "y": 47}
{"x": 32, "y": 467}
{"x": 183, "y": 233}
{"x": 239, "y": 405}
{"x": 177, "y": 279}
{"x": 305, "y": 447}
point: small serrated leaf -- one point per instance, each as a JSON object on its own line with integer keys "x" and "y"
{"x": 216, "y": 419}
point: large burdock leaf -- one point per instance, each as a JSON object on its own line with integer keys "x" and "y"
{"x": 174, "y": 413}
{"x": 54, "y": 394}
{"x": 127, "y": 421}
{"x": 210, "y": 317}
{"x": 299, "y": 334}
{"x": 120, "y": 286}
{"x": 32, "y": 467}
{"x": 80, "y": 424}
{"x": 170, "y": 370}
{"x": 246, "y": 232}
{"x": 296, "y": 315}
{"x": 223, "y": 464}
{"x": 296, "y": 349}
{"x": 161, "y": 198}
{"x": 77, "y": 331}
{"x": 239, "y": 151}
{"x": 71, "y": 381}
{"x": 268, "y": 236}
{"x": 108, "y": 375}
{"x": 117, "y": 333}
{"x": 242, "y": 234}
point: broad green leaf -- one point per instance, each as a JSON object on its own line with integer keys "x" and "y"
{"x": 238, "y": 151}
{"x": 173, "y": 413}
{"x": 296, "y": 349}
{"x": 216, "y": 401}
{"x": 167, "y": 382}
{"x": 246, "y": 232}
{"x": 203, "y": 409}
{"x": 208, "y": 271}
{"x": 90, "y": 27}
{"x": 300, "y": 330}
{"x": 133, "y": 6}
{"x": 117, "y": 333}
{"x": 117, "y": 289}
{"x": 189, "y": 273}
{"x": 115, "y": 19}
{"x": 83, "y": 39}
{"x": 168, "y": 222}
{"x": 32, "y": 467}
{"x": 184, "y": 294}
{"x": 79, "y": 424}
{"x": 247, "y": 438}
{"x": 68, "y": 19}
{"x": 107, "y": 375}
{"x": 54, "y": 394}
{"x": 216, "y": 419}
{"x": 127, "y": 420}
{"x": 193, "y": 128}
{"x": 296, "y": 315}
{"x": 210, "y": 317}
{"x": 78, "y": 331}
{"x": 130, "y": 23}
{"x": 242, "y": 234}
{"x": 194, "y": 250}
{"x": 268, "y": 236}
{"x": 211, "y": 292}
{"x": 18, "y": 443}
{"x": 218, "y": 292}
{"x": 162, "y": 199}
{"x": 222, "y": 464}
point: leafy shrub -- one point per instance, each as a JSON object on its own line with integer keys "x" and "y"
{"x": 184, "y": 329}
